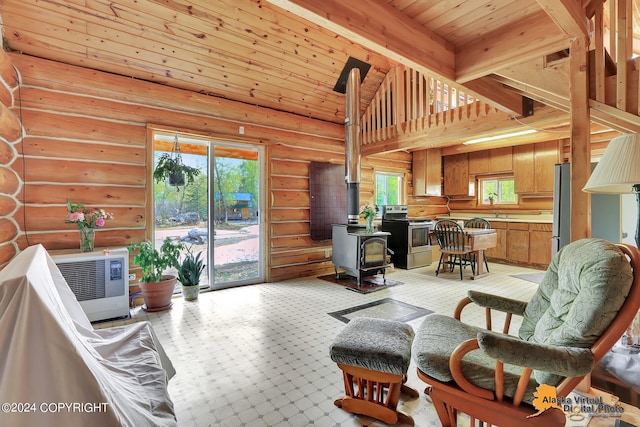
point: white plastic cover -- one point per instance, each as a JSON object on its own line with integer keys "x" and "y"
{"x": 56, "y": 370}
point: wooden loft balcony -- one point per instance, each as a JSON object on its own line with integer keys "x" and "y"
{"x": 414, "y": 110}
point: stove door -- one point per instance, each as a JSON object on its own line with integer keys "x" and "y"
{"x": 373, "y": 252}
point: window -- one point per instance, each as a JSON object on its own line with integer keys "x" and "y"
{"x": 388, "y": 188}
{"x": 502, "y": 187}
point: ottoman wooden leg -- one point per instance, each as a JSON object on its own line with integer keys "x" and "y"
{"x": 372, "y": 393}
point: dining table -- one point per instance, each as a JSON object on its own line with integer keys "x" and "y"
{"x": 480, "y": 239}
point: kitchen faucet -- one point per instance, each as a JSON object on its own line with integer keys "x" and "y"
{"x": 497, "y": 214}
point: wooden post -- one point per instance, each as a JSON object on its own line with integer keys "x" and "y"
{"x": 580, "y": 155}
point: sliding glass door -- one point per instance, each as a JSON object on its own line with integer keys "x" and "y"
{"x": 218, "y": 212}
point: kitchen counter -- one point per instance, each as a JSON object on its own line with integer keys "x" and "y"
{"x": 536, "y": 219}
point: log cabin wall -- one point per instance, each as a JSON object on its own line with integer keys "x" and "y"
{"x": 10, "y": 184}
{"x": 85, "y": 140}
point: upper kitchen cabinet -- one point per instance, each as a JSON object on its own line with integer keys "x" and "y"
{"x": 533, "y": 168}
{"x": 427, "y": 172}
{"x": 456, "y": 176}
{"x": 497, "y": 160}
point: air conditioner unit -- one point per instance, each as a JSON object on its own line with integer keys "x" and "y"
{"x": 100, "y": 281}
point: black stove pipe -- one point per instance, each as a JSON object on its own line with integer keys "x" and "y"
{"x": 352, "y": 145}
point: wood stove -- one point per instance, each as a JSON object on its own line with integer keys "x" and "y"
{"x": 359, "y": 253}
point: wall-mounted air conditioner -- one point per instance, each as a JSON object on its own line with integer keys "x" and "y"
{"x": 99, "y": 281}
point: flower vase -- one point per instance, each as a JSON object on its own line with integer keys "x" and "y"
{"x": 87, "y": 239}
{"x": 371, "y": 228}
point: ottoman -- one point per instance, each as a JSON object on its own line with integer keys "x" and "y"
{"x": 374, "y": 356}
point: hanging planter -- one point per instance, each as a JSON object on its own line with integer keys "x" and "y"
{"x": 176, "y": 179}
{"x": 171, "y": 168}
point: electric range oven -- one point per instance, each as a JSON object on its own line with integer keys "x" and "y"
{"x": 409, "y": 239}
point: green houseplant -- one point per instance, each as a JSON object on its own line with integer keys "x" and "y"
{"x": 189, "y": 273}
{"x": 170, "y": 167}
{"x": 157, "y": 287}
{"x": 492, "y": 196}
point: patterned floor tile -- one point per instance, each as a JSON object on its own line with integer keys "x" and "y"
{"x": 259, "y": 355}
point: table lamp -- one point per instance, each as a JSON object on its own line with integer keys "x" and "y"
{"x": 618, "y": 171}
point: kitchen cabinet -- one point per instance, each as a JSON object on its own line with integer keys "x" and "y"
{"x": 479, "y": 162}
{"x": 500, "y": 250}
{"x": 522, "y": 243}
{"x": 540, "y": 243}
{"x": 456, "y": 176}
{"x": 497, "y": 160}
{"x": 427, "y": 172}
{"x": 518, "y": 242}
{"x": 533, "y": 168}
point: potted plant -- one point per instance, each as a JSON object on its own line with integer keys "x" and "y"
{"x": 155, "y": 285}
{"x": 189, "y": 273}
{"x": 492, "y": 196}
{"x": 170, "y": 166}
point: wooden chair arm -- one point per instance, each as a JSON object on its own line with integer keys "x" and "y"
{"x": 462, "y": 304}
{"x": 454, "y": 366}
{"x": 488, "y": 325}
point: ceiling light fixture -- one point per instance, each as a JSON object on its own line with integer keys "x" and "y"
{"x": 506, "y": 135}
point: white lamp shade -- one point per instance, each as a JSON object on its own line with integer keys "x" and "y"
{"x": 619, "y": 167}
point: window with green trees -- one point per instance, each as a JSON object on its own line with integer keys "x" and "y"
{"x": 503, "y": 189}
{"x": 389, "y": 188}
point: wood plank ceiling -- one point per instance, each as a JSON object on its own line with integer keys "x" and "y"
{"x": 256, "y": 52}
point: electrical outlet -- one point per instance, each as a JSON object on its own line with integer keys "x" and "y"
{"x": 132, "y": 277}
{"x": 327, "y": 253}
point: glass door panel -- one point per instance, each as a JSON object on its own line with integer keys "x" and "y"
{"x": 236, "y": 204}
{"x": 218, "y": 213}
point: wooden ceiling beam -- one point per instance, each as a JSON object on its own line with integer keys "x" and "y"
{"x": 568, "y": 16}
{"x": 507, "y": 100}
{"x": 382, "y": 28}
{"x": 378, "y": 26}
{"x": 529, "y": 38}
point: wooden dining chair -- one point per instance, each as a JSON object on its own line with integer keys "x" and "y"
{"x": 453, "y": 247}
{"x": 478, "y": 223}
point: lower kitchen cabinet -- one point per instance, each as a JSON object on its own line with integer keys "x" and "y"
{"x": 540, "y": 243}
{"x": 522, "y": 243}
{"x": 518, "y": 242}
{"x": 500, "y": 250}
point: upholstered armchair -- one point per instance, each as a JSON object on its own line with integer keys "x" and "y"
{"x": 588, "y": 297}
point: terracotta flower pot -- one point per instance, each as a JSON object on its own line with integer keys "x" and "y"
{"x": 157, "y": 295}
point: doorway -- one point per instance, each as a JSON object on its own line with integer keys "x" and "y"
{"x": 217, "y": 213}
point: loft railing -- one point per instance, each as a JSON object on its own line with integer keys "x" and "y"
{"x": 409, "y": 101}
{"x": 613, "y": 24}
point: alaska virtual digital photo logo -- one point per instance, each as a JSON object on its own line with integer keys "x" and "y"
{"x": 577, "y": 407}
